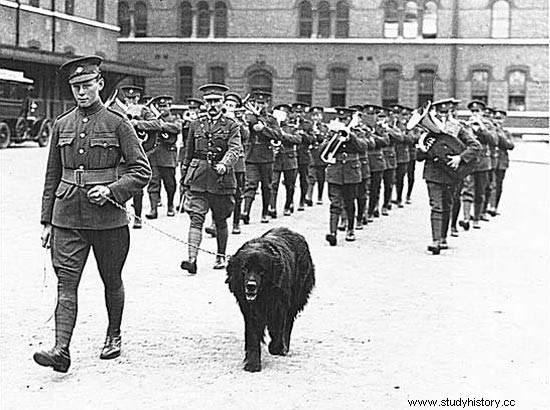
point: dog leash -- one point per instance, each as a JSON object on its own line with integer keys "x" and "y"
{"x": 45, "y": 284}
{"x": 160, "y": 231}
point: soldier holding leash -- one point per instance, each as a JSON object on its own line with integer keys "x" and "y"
{"x": 213, "y": 147}
{"x": 87, "y": 145}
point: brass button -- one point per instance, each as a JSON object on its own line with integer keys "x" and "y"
{"x": 82, "y": 135}
{"x": 81, "y": 167}
{"x": 105, "y": 144}
{"x": 81, "y": 151}
{"x": 84, "y": 120}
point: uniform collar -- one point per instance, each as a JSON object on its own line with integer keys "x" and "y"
{"x": 94, "y": 108}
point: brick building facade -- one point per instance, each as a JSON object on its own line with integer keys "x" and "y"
{"x": 345, "y": 52}
{"x": 37, "y": 36}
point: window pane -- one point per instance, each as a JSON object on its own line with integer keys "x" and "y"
{"x": 516, "y": 103}
{"x": 203, "y": 29}
{"x": 410, "y": 24}
{"x": 217, "y": 75}
{"x": 480, "y": 83}
{"x": 429, "y": 21}
{"x": 516, "y": 83}
{"x": 35, "y": 3}
{"x": 391, "y": 30}
{"x": 100, "y": 10}
{"x": 185, "y": 83}
{"x": 338, "y": 77}
{"x": 141, "y": 19}
{"x": 324, "y": 20}
{"x": 306, "y": 19}
{"x": 500, "y": 19}
{"x": 69, "y": 7}
{"x": 124, "y": 18}
{"x": 260, "y": 81}
{"x": 426, "y": 82}
{"x": 220, "y": 20}
{"x": 342, "y": 19}
{"x": 390, "y": 84}
{"x": 304, "y": 85}
{"x": 186, "y": 20}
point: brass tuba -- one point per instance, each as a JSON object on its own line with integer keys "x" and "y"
{"x": 341, "y": 135}
{"x": 424, "y": 118}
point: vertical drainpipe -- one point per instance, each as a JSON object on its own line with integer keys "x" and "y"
{"x": 454, "y": 49}
{"x": 17, "y": 23}
{"x": 53, "y": 26}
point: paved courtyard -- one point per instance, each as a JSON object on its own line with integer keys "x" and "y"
{"x": 386, "y": 323}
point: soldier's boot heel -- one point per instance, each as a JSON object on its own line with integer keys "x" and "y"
{"x": 57, "y": 357}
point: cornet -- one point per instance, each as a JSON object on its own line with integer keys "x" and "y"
{"x": 341, "y": 135}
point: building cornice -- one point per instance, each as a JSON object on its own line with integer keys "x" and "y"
{"x": 59, "y": 15}
{"x": 348, "y": 41}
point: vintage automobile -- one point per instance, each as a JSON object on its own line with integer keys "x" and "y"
{"x": 20, "y": 120}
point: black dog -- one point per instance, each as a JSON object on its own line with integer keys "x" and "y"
{"x": 271, "y": 278}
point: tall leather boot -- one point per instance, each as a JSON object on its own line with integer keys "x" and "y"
{"x": 245, "y": 215}
{"x": 221, "y": 240}
{"x": 194, "y": 239}
{"x": 436, "y": 223}
{"x": 333, "y": 226}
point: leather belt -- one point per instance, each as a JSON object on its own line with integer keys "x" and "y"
{"x": 83, "y": 177}
{"x": 344, "y": 156}
{"x": 214, "y": 156}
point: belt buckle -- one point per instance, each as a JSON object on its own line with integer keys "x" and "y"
{"x": 79, "y": 177}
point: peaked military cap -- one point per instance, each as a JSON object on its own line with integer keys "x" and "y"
{"x": 343, "y": 112}
{"x": 260, "y": 95}
{"x": 356, "y": 107}
{"x": 489, "y": 111}
{"x": 500, "y": 113}
{"x": 397, "y": 108}
{"x": 233, "y": 96}
{"x": 316, "y": 108}
{"x": 370, "y": 109}
{"x": 283, "y": 107}
{"x": 213, "y": 91}
{"x": 129, "y": 91}
{"x": 299, "y": 106}
{"x": 194, "y": 102}
{"x": 82, "y": 69}
{"x": 456, "y": 101}
{"x": 443, "y": 105}
{"x": 382, "y": 111}
{"x": 476, "y": 105}
{"x": 406, "y": 110}
{"x": 162, "y": 100}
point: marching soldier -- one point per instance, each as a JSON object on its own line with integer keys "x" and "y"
{"x": 82, "y": 178}
{"x": 163, "y": 157}
{"x": 402, "y": 153}
{"x": 304, "y": 130}
{"x": 233, "y": 103}
{"x": 493, "y": 149}
{"x": 286, "y": 161}
{"x": 317, "y": 167}
{"x": 377, "y": 162}
{"x": 505, "y": 144}
{"x": 213, "y": 147}
{"x": 387, "y": 124}
{"x": 259, "y": 154}
{"x": 440, "y": 184}
{"x": 343, "y": 172}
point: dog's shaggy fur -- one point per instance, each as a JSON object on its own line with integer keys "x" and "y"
{"x": 271, "y": 278}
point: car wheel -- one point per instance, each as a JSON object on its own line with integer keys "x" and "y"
{"x": 44, "y": 134}
{"x": 5, "y": 135}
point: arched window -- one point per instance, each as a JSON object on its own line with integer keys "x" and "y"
{"x": 480, "y": 85}
{"x": 185, "y": 82}
{"x": 69, "y": 7}
{"x": 410, "y": 22}
{"x": 304, "y": 85}
{"x": 324, "y": 20}
{"x": 260, "y": 80}
{"x": 429, "y": 20}
{"x": 216, "y": 75}
{"x": 124, "y": 18}
{"x": 186, "y": 19}
{"x": 141, "y": 19}
{"x": 338, "y": 83}
{"x": 426, "y": 79}
{"x": 391, "y": 20}
{"x": 500, "y": 21}
{"x": 390, "y": 87}
{"x": 306, "y": 19}
{"x": 342, "y": 19}
{"x": 203, "y": 29}
{"x": 516, "y": 90}
{"x": 220, "y": 19}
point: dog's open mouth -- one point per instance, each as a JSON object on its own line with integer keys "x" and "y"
{"x": 251, "y": 290}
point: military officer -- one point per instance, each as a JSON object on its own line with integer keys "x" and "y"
{"x": 212, "y": 150}
{"x": 259, "y": 154}
{"x": 505, "y": 143}
{"x": 489, "y": 113}
{"x": 440, "y": 184}
{"x": 82, "y": 178}
{"x": 286, "y": 161}
{"x": 377, "y": 162}
{"x": 344, "y": 174}
{"x": 163, "y": 157}
{"x": 317, "y": 168}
